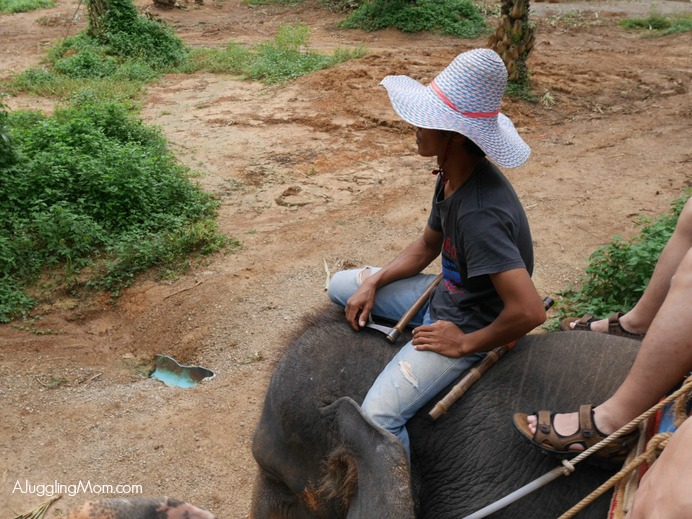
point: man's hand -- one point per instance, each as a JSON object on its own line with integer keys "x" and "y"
{"x": 359, "y": 306}
{"x": 443, "y": 337}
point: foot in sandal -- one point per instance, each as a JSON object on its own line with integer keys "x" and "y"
{"x": 565, "y": 435}
{"x": 616, "y": 324}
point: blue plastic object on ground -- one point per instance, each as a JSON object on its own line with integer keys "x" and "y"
{"x": 173, "y": 374}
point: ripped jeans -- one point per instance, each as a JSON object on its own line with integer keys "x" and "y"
{"x": 412, "y": 377}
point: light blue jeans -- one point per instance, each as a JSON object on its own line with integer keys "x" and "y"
{"x": 412, "y": 377}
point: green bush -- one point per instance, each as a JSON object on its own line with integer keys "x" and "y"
{"x": 618, "y": 273}
{"x": 129, "y": 34}
{"x": 93, "y": 186}
{"x": 459, "y": 18}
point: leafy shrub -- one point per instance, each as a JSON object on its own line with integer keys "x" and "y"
{"x": 618, "y": 273}
{"x": 93, "y": 186}
{"x": 458, "y": 18}
{"x": 128, "y": 33}
{"x": 86, "y": 64}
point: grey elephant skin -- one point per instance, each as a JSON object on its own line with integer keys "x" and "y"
{"x": 319, "y": 457}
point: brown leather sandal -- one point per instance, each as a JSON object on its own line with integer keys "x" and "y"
{"x": 549, "y": 441}
{"x": 614, "y": 326}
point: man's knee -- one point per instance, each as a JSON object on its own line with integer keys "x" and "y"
{"x": 341, "y": 286}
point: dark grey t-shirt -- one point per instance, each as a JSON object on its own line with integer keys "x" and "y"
{"x": 485, "y": 232}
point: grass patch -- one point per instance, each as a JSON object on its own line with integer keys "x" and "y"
{"x": 89, "y": 199}
{"x": 618, "y": 273}
{"x": 460, "y": 18}
{"x": 23, "y": 6}
{"x": 287, "y": 57}
{"x": 42, "y": 82}
{"x": 659, "y": 25}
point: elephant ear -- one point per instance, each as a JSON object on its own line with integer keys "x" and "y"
{"x": 368, "y": 472}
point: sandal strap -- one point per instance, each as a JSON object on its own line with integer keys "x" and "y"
{"x": 586, "y": 435}
{"x": 614, "y": 318}
{"x": 585, "y": 320}
{"x": 615, "y": 328}
{"x": 587, "y": 429}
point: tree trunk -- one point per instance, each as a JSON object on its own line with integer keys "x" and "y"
{"x": 513, "y": 39}
{"x": 96, "y": 12}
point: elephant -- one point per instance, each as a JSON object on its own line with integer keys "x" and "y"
{"x": 319, "y": 456}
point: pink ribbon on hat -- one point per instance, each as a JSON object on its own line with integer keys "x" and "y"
{"x": 445, "y": 99}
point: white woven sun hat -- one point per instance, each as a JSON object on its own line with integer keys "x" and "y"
{"x": 465, "y": 98}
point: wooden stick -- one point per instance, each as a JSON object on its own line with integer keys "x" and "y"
{"x": 471, "y": 377}
{"x": 474, "y": 373}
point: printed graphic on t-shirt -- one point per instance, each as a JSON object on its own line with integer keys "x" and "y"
{"x": 450, "y": 270}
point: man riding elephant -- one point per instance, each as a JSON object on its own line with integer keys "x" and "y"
{"x": 477, "y": 224}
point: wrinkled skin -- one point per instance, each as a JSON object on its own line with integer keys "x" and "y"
{"x": 312, "y": 436}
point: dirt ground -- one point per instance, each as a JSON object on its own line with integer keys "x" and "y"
{"x": 313, "y": 176}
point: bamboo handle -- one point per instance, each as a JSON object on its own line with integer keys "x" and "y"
{"x": 474, "y": 373}
{"x": 411, "y": 312}
{"x": 471, "y": 377}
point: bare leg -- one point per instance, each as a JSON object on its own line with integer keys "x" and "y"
{"x": 664, "y": 358}
{"x": 640, "y": 317}
{"x": 665, "y": 489}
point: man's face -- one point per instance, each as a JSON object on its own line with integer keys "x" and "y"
{"x": 431, "y": 143}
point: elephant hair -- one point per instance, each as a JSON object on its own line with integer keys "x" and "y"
{"x": 340, "y": 479}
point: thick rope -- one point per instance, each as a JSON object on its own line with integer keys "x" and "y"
{"x": 631, "y": 426}
{"x": 653, "y": 449}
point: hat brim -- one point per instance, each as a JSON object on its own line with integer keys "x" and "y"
{"x": 420, "y": 106}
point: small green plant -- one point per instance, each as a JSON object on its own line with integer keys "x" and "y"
{"x": 618, "y": 273}
{"x": 658, "y": 24}
{"x": 22, "y": 6}
{"x": 459, "y": 18}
